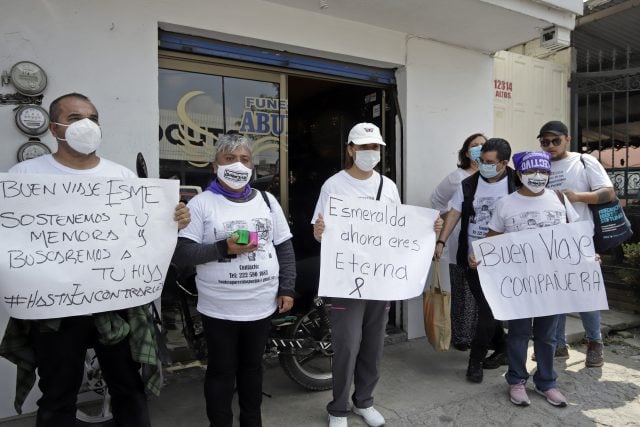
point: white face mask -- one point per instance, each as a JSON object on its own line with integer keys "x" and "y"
{"x": 84, "y": 136}
{"x": 489, "y": 171}
{"x": 535, "y": 182}
{"x": 366, "y": 160}
{"x": 236, "y": 175}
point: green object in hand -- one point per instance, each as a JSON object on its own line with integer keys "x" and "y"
{"x": 243, "y": 237}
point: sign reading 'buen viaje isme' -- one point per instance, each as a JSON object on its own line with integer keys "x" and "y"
{"x": 79, "y": 245}
{"x": 377, "y": 251}
{"x": 541, "y": 272}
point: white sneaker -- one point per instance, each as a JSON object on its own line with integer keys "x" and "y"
{"x": 371, "y": 416}
{"x": 337, "y": 421}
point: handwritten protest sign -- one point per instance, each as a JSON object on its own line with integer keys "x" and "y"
{"x": 74, "y": 245}
{"x": 541, "y": 272}
{"x": 377, "y": 251}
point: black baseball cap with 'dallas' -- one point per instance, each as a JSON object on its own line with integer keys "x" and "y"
{"x": 555, "y": 127}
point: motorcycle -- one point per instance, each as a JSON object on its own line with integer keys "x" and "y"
{"x": 300, "y": 341}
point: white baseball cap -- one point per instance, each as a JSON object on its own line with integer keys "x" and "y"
{"x": 365, "y": 133}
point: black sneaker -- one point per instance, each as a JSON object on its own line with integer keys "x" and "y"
{"x": 474, "y": 371}
{"x": 496, "y": 360}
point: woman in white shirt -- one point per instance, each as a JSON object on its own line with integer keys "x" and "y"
{"x": 240, "y": 243}
{"x": 464, "y": 311}
{"x": 357, "y": 326}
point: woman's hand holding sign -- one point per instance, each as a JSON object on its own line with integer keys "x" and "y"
{"x": 318, "y": 228}
{"x": 473, "y": 263}
{"x": 182, "y": 215}
{"x": 437, "y": 227}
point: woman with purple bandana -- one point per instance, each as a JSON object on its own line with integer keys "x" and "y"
{"x": 531, "y": 206}
{"x": 240, "y": 243}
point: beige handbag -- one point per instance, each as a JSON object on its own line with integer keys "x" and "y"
{"x": 437, "y": 314}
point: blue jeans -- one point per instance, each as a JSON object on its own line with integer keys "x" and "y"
{"x": 544, "y": 346}
{"x": 590, "y": 323}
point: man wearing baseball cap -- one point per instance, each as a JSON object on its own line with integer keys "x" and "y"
{"x": 584, "y": 181}
{"x": 531, "y": 207}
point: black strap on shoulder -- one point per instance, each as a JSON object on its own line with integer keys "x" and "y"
{"x": 379, "y": 189}
{"x": 266, "y": 199}
{"x": 584, "y": 165}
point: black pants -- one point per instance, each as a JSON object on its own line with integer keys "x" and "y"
{"x": 489, "y": 331}
{"x": 464, "y": 310}
{"x": 235, "y": 358}
{"x": 60, "y": 357}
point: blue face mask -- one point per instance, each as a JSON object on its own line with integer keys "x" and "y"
{"x": 488, "y": 171}
{"x": 474, "y": 153}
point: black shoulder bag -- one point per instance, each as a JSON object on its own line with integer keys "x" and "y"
{"x": 611, "y": 226}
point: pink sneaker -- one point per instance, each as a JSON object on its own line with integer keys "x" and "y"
{"x": 518, "y": 395}
{"x": 553, "y": 396}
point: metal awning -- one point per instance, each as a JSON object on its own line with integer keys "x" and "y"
{"x": 605, "y": 35}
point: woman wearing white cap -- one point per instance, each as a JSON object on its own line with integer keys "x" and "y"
{"x": 358, "y": 326}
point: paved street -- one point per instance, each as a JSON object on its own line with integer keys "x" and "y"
{"x": 420, "y": 387}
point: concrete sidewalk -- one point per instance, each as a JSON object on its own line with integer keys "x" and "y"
{"x": 420, "y": 387}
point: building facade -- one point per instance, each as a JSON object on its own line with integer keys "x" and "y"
{"x": 167, "y": 76}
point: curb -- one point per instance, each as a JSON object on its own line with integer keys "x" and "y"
{"x": 626, "y": 321}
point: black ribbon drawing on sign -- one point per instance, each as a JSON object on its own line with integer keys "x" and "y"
{"x": 359, "y": 284}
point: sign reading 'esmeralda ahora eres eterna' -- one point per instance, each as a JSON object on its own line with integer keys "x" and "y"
{"x": 541, "y": 272}
{"x": 80, "y": 245}
{"x": 372, "y": 250}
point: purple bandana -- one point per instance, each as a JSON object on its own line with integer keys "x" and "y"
{"x": 528, "y": 160}
{"x": 216, "y": 188}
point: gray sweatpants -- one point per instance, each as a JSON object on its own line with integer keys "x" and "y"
{"x": 357, "y": 337}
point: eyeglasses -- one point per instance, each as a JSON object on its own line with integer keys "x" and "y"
{"x": 547, "y": 142}
{"x": 488, "y": 162}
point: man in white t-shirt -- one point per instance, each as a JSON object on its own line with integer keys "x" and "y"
{"x": 122, "y": 340}
{"x": 585, "y": 182}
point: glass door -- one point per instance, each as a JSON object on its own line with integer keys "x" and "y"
{"x": 201, "y": 98}
{"x": 197, "y": 105}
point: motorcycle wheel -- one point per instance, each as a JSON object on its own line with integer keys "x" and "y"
{"x": 311, "y": 368}
{"x": 99, "y": 413}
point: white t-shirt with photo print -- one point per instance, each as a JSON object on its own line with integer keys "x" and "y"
{"x": 486, "y": 196}
{"x": 516, "y": 212}
{"x": 244, "y": 287}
